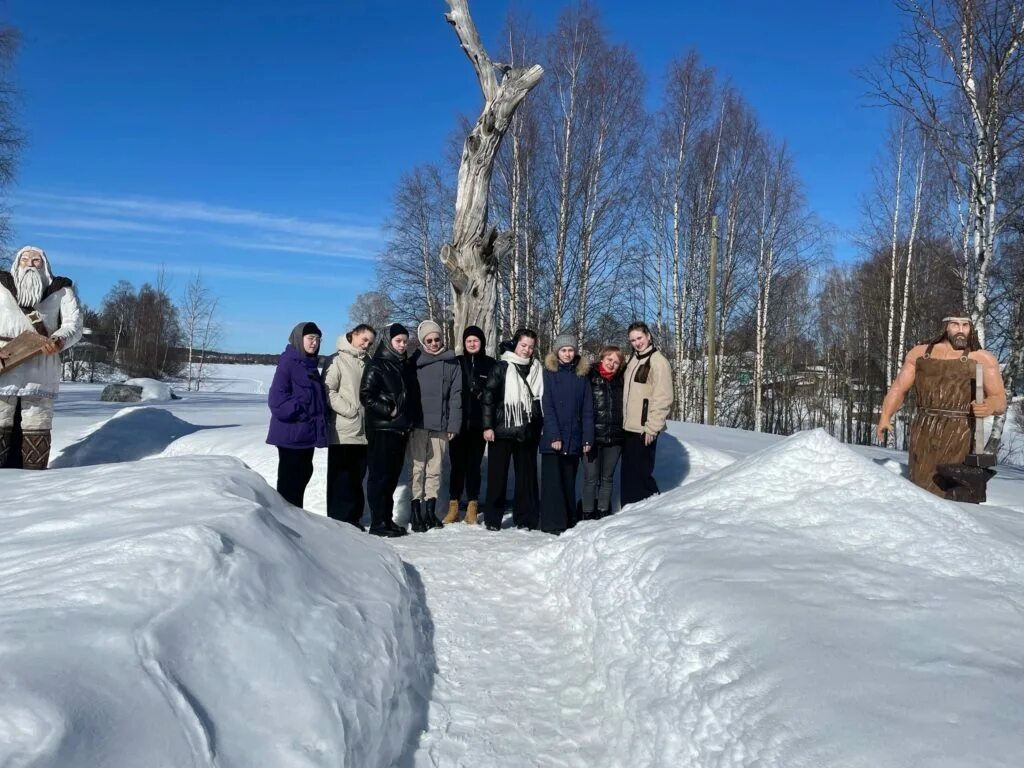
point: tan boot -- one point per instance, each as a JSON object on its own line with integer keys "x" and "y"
{"x": 453, "y": 513}
{"x": 471, "y": 513}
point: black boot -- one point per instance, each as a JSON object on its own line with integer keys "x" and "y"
{"x": 388, "y": 530}
{"x": 416, "y": 517}
{"x": 430, "y": 518}
{"x": 581, "y": 513}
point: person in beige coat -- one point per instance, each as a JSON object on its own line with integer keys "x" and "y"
{"x": 647, "y": 400}
{"x": 346, "y": 454}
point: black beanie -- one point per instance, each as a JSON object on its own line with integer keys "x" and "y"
{"x": 309, "y": 328}
{"x": 397, "y": 329}
{"x": 474, "y": 331}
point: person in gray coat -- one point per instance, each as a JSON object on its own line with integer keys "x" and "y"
{"x": 439, "y": 420}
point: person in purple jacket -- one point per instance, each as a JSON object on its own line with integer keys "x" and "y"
{"x": 568, "y": 432}
{"x": 298, "y": 412}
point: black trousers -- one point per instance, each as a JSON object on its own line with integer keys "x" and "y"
{"x": 637, "y": 477}
{"x": 524, "y": 459}
{"x": 294, "y": 468}
{"x": 346, "y": 467}
{"x": 385, "y": 457}
{"x": 557, "y": 492}
{"x": 466, "y": 452}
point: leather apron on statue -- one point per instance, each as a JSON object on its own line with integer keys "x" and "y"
{"x": 942, "y": 426}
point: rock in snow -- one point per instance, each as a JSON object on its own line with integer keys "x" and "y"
{"x": 153, "y": 389}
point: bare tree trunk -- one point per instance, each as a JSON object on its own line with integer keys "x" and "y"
{"x": 564, "y": 202}
{"x": 476, "y": 246}
{"x": 515, "y": 278}
{"x": 586, "y": 250}
{"x": 914, "y": 222}
{"x": 890, "y": 364}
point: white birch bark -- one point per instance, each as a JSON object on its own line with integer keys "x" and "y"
{"x": 890, "y": 364}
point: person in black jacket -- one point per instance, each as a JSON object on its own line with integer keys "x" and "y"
{"x": 390, "y": 395}
{"x": 466, "y": 451}
{"x": 512, "y": 421}
{"x": 606, "y": 383}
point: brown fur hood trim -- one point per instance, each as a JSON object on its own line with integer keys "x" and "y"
{"x": 582, "y": 364}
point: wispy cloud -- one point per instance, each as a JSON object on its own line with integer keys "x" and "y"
{"x": 188, "y": 226}
{"x": 94, "y": 224}
{"x": 61, "y": 258}
{"x": 194, "y": 211}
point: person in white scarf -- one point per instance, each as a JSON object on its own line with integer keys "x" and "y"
{"x": 521, "y": 392}
{"x": 512, "y": 420}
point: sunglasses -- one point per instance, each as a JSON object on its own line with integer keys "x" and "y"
{"x": 432, "y": 342}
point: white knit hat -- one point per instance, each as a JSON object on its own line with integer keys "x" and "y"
{"x": 426, "y": 328}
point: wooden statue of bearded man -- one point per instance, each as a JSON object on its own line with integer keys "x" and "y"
{"x": 33, "y": 300}
{"x": 942, "y": 372}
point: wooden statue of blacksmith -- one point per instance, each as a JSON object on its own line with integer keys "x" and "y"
{"x": 942, "y": 373}
{"x": 40, "y": 313}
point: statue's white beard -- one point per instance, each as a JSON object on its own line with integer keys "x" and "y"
{"x": 30, "y": 283}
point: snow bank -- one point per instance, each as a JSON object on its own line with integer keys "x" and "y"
{"x": 153, "y": 389}
{"x": 178, "y": 612}
{"x": 803, "y": 607}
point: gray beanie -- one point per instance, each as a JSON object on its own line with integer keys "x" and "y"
{"x": 426, "y": 328}
{"x": 565, "y": 339}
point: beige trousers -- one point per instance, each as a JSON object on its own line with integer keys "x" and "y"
{"x": 36, "y": 413}
{"x": 426, "y": 456}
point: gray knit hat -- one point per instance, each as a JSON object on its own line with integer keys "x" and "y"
{"x": 565, "y": 339}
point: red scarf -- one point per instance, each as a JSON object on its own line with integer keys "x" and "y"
{"x": 605, "y": 374}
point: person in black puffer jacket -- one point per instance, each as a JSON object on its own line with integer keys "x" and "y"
{"x": 390, "y": 395}
{"x": 512, "y": 422}
{"x": 466, "y": 451}
{"x": 606, "y": 384}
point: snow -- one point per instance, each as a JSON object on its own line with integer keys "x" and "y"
{"x": 242, "y": 378}
{"x": 150, "y": 621}
{"x": 802, "y": 607}
{"x": 784, "y": 602}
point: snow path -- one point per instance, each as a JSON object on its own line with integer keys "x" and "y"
{"x": 513, "y": 685}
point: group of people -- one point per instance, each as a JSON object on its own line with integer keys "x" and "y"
{"x": 372, "y": 412}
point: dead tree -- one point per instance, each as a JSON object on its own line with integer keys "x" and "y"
{"x": 477, "y": 247}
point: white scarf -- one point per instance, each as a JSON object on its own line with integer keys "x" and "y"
{"x": 519, "y": 394}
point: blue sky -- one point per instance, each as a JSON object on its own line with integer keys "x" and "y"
{"x": 261, "y": 141}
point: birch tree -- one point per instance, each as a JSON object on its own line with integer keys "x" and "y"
{"x": 197, "y": 315}
{"x": 956, "y": 71}
{"x": 689, "y": 95}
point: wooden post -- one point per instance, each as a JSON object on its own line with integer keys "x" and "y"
{"x": 711, "y": 321}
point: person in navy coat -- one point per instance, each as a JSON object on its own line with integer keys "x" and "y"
{"x": 568, "y": 432}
